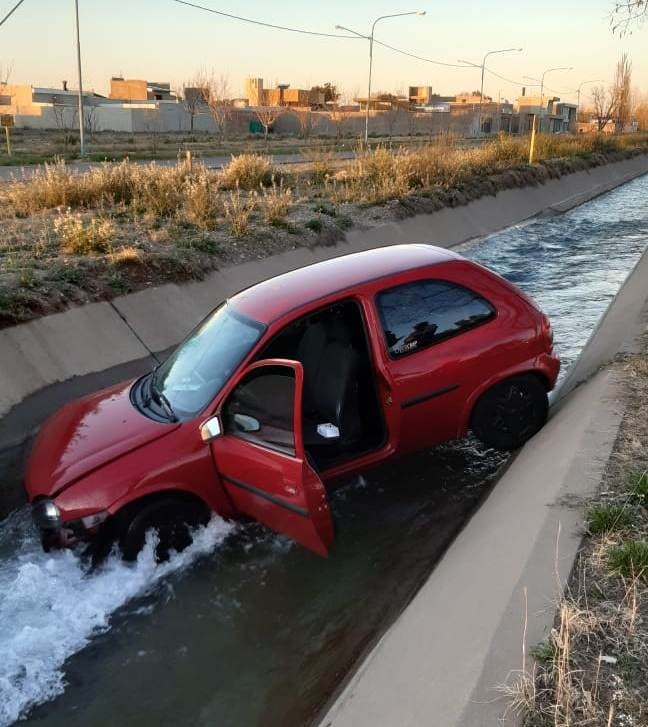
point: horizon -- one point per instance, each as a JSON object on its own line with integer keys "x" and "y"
{"x": 135, "y": 44}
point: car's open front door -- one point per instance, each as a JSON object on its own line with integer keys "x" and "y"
{"x": 260, "y": 455}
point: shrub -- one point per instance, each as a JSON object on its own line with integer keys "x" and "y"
{"x": 247, "y": 172}
{"x": 275, "y": 203}
{"x": 315, "y": 225}
{"x": 630, "y": 559}
{"x": 238, "y": 211}
{"x": 638, "y": 485}
{"x": 606, "y": 518}
{"x": 200, "y": 203}
{"x": 77, "y": 237}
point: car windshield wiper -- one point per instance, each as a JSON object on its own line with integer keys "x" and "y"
{"x": 162, "y": 400}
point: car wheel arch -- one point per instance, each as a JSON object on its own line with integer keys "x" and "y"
{"x": 478, "y": 392}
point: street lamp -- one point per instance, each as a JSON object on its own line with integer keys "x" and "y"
{"x": 533, "y": 128}
{"x": 370, "y": 38}
{"x": 78, "y": 43}
{"x": 483, "y": 66}
{"x": 578, "y": 92}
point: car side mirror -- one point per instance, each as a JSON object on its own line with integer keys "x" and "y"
{"x": 246, "y": 423}
{"x": 210, "y": 429}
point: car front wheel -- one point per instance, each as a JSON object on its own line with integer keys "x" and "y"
{"x": 171, "y": 518}
{"x": 511, "y": 412}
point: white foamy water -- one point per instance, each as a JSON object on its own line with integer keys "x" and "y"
{"x": 51, "y": 606}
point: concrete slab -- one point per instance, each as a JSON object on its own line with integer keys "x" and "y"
{"x": 440, "y": 662}
{"x": 81, "y": 340}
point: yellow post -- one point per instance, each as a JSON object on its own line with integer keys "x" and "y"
{"x": 532, "y": 145}
{"x": 8, "y": 132}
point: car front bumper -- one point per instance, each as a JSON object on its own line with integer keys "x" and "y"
{"x": 55, "y": 533}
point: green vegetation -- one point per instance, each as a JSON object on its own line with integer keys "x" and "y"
{"x": 630, "y": 559}
{"x": 125, "y": 225}
{"x": 591, "y": 670}
{"x": 607, "y": 518}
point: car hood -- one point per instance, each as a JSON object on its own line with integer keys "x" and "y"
{"x": 86, "y": 434}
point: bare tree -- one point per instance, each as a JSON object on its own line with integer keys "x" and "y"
{"x": 622, "y": 85}
{"x": 193, "y": 94}
{"x": 90, "y": 121}
{"x": 641, "y": 112}
{"x": 5, "y": 73}
{"x": 339, "y": 116}
{"x": 627, "y": 15}
{"x": 65, "y": 119}
{"x": 267, "y": 116}
{"x": 605, "y": 105}
{"x": 216, "y": 97}
{"x": 307, "y": 122}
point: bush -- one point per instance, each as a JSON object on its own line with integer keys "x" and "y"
{"x": 238, "y": 212}
{"x": 247, "y": 172}
{"x": 606, "y": 518}
{"x": 638, "y": 485}
{"x": 77, "y": 237}
{"x": 200, "y": 203}
{"x": 275, "y": 203}
{"x": 315, "y": 225}
{"x": 630, "y": 559}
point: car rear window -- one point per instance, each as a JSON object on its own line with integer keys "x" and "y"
{"x": 419, "y": 314}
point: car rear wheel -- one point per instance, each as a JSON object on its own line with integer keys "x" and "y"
{"x": 510, "y": 412}
{"x": 172, "y": 519}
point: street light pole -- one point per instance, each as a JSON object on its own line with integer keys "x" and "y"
{"x": 578, "y": 93}
{"x": 78, "y": 43}
{"x": 483, "y": 68}
{"x": 370, "y": 38}
{"x": 533, "y": 129}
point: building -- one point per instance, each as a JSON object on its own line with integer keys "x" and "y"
{"x": 552, "y": 115}
{"x": 282, "y": 95}
{"x": 133, "y": 89}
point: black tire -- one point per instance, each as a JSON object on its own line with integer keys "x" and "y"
{"x": 171, "y": 517}
{"x": 511, "y": 412}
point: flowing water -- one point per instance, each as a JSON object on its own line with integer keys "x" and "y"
{"x": 245, "y": 628}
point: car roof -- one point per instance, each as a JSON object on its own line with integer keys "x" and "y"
{"x": 273, "y": 298}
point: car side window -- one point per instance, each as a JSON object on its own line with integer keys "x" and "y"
{"x": 261, "y": 408}
{"x": 418, "y": 314}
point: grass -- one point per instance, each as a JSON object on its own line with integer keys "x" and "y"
{"x": 592, "y": 669}
{"x": 183, "y": 220}
{"x": 602, "y": 518}
{"x": 630, "y": 559}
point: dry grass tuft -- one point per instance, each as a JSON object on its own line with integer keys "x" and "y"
{"x": 238, "y": 211}
{"x": 275, "y": 203}
{"x": 247, "y": 172}
{"x": 77, "y": 237}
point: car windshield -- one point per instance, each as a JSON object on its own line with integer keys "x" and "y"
{"x": 197, "y": 370}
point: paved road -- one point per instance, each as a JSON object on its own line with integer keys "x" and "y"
{"x": 215, "y": 162}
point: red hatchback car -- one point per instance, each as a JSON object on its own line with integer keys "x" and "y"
{"x": 302, "y": 379}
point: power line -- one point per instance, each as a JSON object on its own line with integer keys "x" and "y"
{"x": 260, "y": 22}
{"x": 420, "y": 58}
{"x": 11, "y": 12}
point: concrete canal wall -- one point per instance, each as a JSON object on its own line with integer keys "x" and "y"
{"x": 48, "y": 361}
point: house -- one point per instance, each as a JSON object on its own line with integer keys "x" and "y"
{"x": 132, "y": 89}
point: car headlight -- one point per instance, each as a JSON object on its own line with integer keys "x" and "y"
{"x": 46, "y": 514}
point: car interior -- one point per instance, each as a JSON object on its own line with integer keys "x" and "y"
{"x": 339, "y": 382}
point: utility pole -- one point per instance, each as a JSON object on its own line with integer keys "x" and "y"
{"x": 81, "y": 119}
{"x": 483, "y": 68}
{"x": 370, "y": 38}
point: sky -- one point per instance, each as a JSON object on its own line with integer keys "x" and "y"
{"x": 163, "y": 40}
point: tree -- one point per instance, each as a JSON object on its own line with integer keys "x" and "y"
{"x": 65, "y": 117}
{"x": 330, "y": 92}
{"x": 627, "y": 15}
{"x": 267, "y": 116}
{"x": 5, "y": 73}
{"x": 192, "y": 94}
{"x": 641, "y": 112}
{"x": 339, "y": 116}
{"x": 307, "y": 122}
{"x": 605, "y": 105}
{"x": 216, "y": 97}
{"x": 622, "y": 86}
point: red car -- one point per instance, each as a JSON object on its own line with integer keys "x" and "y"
{"x": 302, "y": 379}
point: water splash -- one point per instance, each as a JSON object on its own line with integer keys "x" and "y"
{"x": 51, "y": 606}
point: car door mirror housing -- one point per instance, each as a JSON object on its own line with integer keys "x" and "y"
{"x": 211, "y": 429}
{"x": 246, "y": 423}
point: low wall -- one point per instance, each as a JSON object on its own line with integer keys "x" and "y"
{"x": 51, "y": 360}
